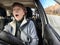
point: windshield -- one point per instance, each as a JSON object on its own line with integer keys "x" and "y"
{"x": 52, "y": 10}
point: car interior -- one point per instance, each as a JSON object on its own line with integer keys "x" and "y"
{"x": 35, "y": 12}
{"x": 32, "y": 14}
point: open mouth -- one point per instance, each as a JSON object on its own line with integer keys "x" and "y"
{"x": 16, "y": 15}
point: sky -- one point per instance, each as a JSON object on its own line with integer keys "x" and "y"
{"x": 47, "y": 3}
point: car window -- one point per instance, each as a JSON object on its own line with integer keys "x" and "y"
{"x": 52, "y": 10}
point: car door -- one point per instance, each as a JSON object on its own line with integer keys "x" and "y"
{"x": 49, "y": 33}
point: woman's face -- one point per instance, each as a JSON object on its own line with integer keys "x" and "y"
{"x": 18, "y": 13}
